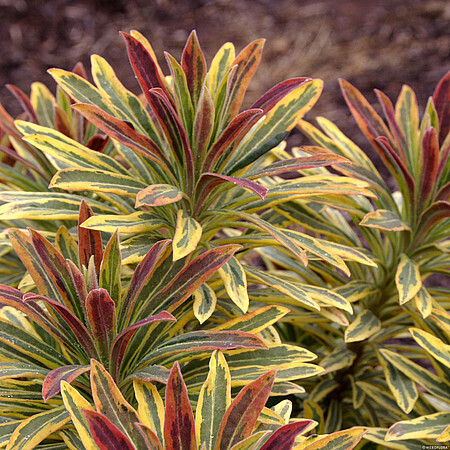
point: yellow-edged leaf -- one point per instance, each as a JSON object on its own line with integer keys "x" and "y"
{"x": 74, "y": 403}
{"x": 96, "y": 181}
{"x": 407, "y": 279}
{"x": 340, "y": 440}
{"x": 213, "y": 401}
{"x": 235, "y": 282}
{"x": 424, "y": 302}
{"x": 356, "y": 290}
{"x": 150, "y": 407}
{"x": 339, "y": 358}
{"x": 383, "y": 219}
{"x": 432, "y": 345}
{"x": 365, "y": 325}
{"x": 158, "y": 194}
{"x": 401, "y": 386}
{"x": 424, "y": 427}
{"x": 188, "y": 233}
{"x": 220, "y": 65}
{"x": 36, "y": 428}
{"x": 138, "y": 222}
{"x": 204, "y": 302}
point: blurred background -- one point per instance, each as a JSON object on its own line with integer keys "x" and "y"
{"x": 373, "y": 43}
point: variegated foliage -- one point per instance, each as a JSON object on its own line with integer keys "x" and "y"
{"x": 218, "y": 422}
{"x": 187, "y": 164}
{"x": 26, "y": 171}
{"x": 136, "y": 325}
{"x": 387, "y": 360}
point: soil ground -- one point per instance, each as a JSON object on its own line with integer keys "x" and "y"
{"x": 372, "y": 43}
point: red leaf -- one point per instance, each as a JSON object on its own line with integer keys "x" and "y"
{"x": 89, "y": 241}
{"x": 194, "y": 66}
{"x": 237, "y": 127}
{"x": 71, "y": 320}
{"x": 52, "y": 382}
{"x": 62, "y": 123}
{"x": 120, "y": 343}
{"x": 141, "y": 277}
{"x": 56, "y": 269}
{"x": 97, "y": 142}
{"x": 190, "y": 279}
{"x": 284, "y": 437}
{"x": 101, "y": 314}
{"x": 179, "y": 423}
{"x": 247, "y": 62}
{"x": 24, "y": 101}
{"x": 151, "y": 439}
{"x": 121, "y": 131}
{"x": 174, "y": 130}
{"x": 241, "y": 416}
{"x": 144, "y": 67}
{"x": 105, "y": 434}
{"x": 430, "y": 164}
{"x": 274, "y": 95}
{"x": 208, "y": 181}
{"x": 441, "y": 100}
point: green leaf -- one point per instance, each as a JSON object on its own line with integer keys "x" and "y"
{"x": 110, "y": 269}
{"x": 36, "y": 428}
{"x": 407, "y": 279}
{"x": 213, "y": 401}
{"x": 340, "y": 358}
{"x": 188, "y": 233}
{"x": 424, "y": 427}
{"x": 204, "y": 302}
{"x": 235, "y": 282}
{"x": 432, "y": 345}
{"x": 366, "y": 324}
{"x": 384, "y": 219}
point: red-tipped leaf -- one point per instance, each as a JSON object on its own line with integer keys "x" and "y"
{"x": 194, "y": 66}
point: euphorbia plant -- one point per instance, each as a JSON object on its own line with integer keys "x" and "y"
{"x": 397, "y": 336}
{"x": 136, "y": 327}
{"x": 186, "y": 164}
{"x": 218, "y": 422}
{"x": 25, "y": 171}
